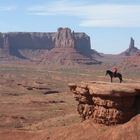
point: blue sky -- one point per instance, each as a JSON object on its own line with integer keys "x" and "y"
{"x": 109, "y": 23}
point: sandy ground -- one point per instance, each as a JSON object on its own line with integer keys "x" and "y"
{"x": 35, "y": 100}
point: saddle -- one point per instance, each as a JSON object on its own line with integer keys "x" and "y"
{"x": 115, "y": 74}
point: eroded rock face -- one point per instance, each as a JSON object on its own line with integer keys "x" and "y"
{"x": 16, "y": 42}
{"x": 107, "y": 103}
{"x": 82, "y": 40}
{"x": 64, "y": 38}
{"x": 70, "y": 49}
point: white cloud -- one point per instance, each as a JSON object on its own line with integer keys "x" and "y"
{"x": 63, "y": 7}
{"x": 7, "y": 8}
{"x": 101, "y": 15}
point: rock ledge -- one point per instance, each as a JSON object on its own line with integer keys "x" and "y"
{"x": 107, "y": 103}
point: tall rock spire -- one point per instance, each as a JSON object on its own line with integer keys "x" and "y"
{"x": 132, "y": 50}
{"x": 132, "y": 43}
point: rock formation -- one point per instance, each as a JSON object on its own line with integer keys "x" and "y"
{"x": 70, "y": 48}
{"x": 107, "y": 103}
{"x": 5, "y": 48}
{"x": 64, "y": 38}
{"x": 30, "y": 45}
{"x": 132, "y": 50}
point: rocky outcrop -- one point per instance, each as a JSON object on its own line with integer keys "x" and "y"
{"x": 30, "y": 45}
{"x": 5, "y": 54}
{"x": 83, "y": 41}
{"x": 132, "y": 50}
{"x": 12, "y": 44}
{"x": 67, "y": 56}
{"x": 29, "y": 41}
{"x": 70, "y": 49}
{"x": 107, "y": 103}
{"x": 64, "y": 38}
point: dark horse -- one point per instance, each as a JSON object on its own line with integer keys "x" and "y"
{"x": 114, "y": 75}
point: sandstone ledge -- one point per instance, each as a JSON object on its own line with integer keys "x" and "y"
{"x": 107, "y": 103}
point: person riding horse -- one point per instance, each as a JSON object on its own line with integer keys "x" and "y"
{"x": 115, "y": 70}
{"x": 114, "y": 74}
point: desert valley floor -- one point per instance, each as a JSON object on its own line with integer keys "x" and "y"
{"x": 36, "y": 103}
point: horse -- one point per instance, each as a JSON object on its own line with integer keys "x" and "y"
{"x": 114, "y": 75}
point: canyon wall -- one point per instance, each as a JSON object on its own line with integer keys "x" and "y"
{"x": 12, "y": 42}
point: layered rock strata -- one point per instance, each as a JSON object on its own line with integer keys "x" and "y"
{"x": 12, "y": 43}
{"x": 64, "y": 38}
{"x": 70, "y": 48}
{"x": 107, "y": 103}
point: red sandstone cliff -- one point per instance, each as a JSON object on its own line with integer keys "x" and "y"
{"x": 69, "y": 50}
{"x": 37, "y": 46}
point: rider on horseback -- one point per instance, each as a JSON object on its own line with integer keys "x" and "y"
{"x": 114, "y": 74}
{"x": 115, "y": 70}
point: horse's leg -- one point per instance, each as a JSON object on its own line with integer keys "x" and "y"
{"x": 111, "y": 80}
{"x": 120, "y": 79}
